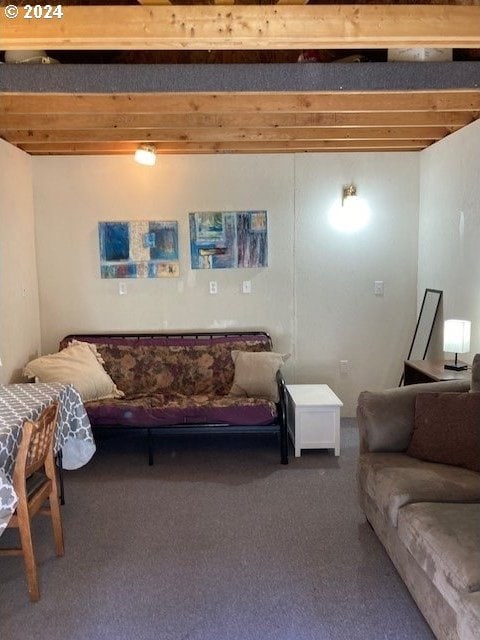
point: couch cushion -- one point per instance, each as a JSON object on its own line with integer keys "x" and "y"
{"x": 393, "y": 480}
{"x": 191, "y": 366}
{"x": 444, "y": 539}
{"x": 386, "y": 417}
{"x": 170, "y": 409}
{"x": 469, "y": 616}
{"x": 447, "y": 429}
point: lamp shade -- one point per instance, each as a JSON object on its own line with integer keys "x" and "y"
{"x": 456, "y": 336}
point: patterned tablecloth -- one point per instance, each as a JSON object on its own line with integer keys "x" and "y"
{"x": 20, "y": 402}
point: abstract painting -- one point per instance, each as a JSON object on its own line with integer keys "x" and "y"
{"x": 228, "y": 239}
{"x": 138, "y": 249}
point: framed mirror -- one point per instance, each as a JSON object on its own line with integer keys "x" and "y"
{"x": 425, "y": 323}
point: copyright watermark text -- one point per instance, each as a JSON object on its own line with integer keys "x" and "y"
{"x": 34, "y": 11}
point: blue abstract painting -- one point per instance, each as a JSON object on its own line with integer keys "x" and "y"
{"x": 138, "y": 249}
{"x": 228, "y": 239}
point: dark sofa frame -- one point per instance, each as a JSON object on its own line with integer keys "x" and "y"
{"x": 278, "y": 427}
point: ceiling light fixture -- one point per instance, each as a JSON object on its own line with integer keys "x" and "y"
{"x": 146, "y": 154}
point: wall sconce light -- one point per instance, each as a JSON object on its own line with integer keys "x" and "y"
{"x": 146, "y": 154}
{"x": 352, "y": 214}
{"x": 456, "y": 339}
{"x": 350, "y": 198}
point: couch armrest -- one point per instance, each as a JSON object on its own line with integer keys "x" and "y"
{"x": 385, "y": 418}
{"x": 476, "y": 373}
{"x": 282, "y": 416}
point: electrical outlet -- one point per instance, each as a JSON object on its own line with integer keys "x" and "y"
{"x": 343, "y": 366}
{"x": 213, "y": 287}
{"x": 122, "y": 288}
{"x": 247, "y": 286}
{"x": 378, "y": 287}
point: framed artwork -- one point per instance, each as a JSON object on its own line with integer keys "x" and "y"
{"x": 138, "y": 249}
{"x": 228, "y": 239}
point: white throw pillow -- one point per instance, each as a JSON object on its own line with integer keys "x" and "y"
{"x": 255, "y": 373}
{"x": 79, "y": 364}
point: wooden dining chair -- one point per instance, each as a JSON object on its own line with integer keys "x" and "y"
{"x": 35, "y": 482}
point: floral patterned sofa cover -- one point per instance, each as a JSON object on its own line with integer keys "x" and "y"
{"x": 182, "y": 382}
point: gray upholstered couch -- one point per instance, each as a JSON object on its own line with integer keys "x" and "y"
{"x": 427, "y": 515}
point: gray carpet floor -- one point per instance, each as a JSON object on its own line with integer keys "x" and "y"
{"x": 216, "y": 541}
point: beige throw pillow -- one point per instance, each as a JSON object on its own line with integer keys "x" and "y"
{"x": 79, "y": 364}
{"x": 255, "y": 373}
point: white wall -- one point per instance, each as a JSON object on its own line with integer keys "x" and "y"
{"x": 316, "y": 296}
{"x": 449, "y": 228}
{"x": 72, "y": 194}
{"x": 19, "y": 310}
{"x": 324, "y": 276}
{"x": 338, "y": 316}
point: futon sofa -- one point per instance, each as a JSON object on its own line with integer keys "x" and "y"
{"x": 426, "y": 514}
{"x": 183, "y": 383}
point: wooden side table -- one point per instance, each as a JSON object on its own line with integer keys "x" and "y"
{"x": 418, "y": 371}
{"x": 313, "y": 417}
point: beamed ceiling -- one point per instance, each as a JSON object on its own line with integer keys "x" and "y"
{"x": 224, "y": 77}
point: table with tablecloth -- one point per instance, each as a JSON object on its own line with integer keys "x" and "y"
{"x": 73, "y": 434}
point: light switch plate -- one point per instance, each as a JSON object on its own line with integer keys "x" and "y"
{"x": 213, "y": 287}
{"x": 122, "y": 288}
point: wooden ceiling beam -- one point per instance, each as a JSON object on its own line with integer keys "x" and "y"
{"x": 166, "y": 152}
{"x": 243, "y": 103}
{"x": 217, "y": 2}
{"x": 226, "y": 147}
{"x": 55, "y": 122}
{"x": 207, "y": 27}
{"x": 227, "y": 135}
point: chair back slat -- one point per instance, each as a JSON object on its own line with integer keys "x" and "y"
{"x": 36, "y": 451}
{"x": 40, "y": 439}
